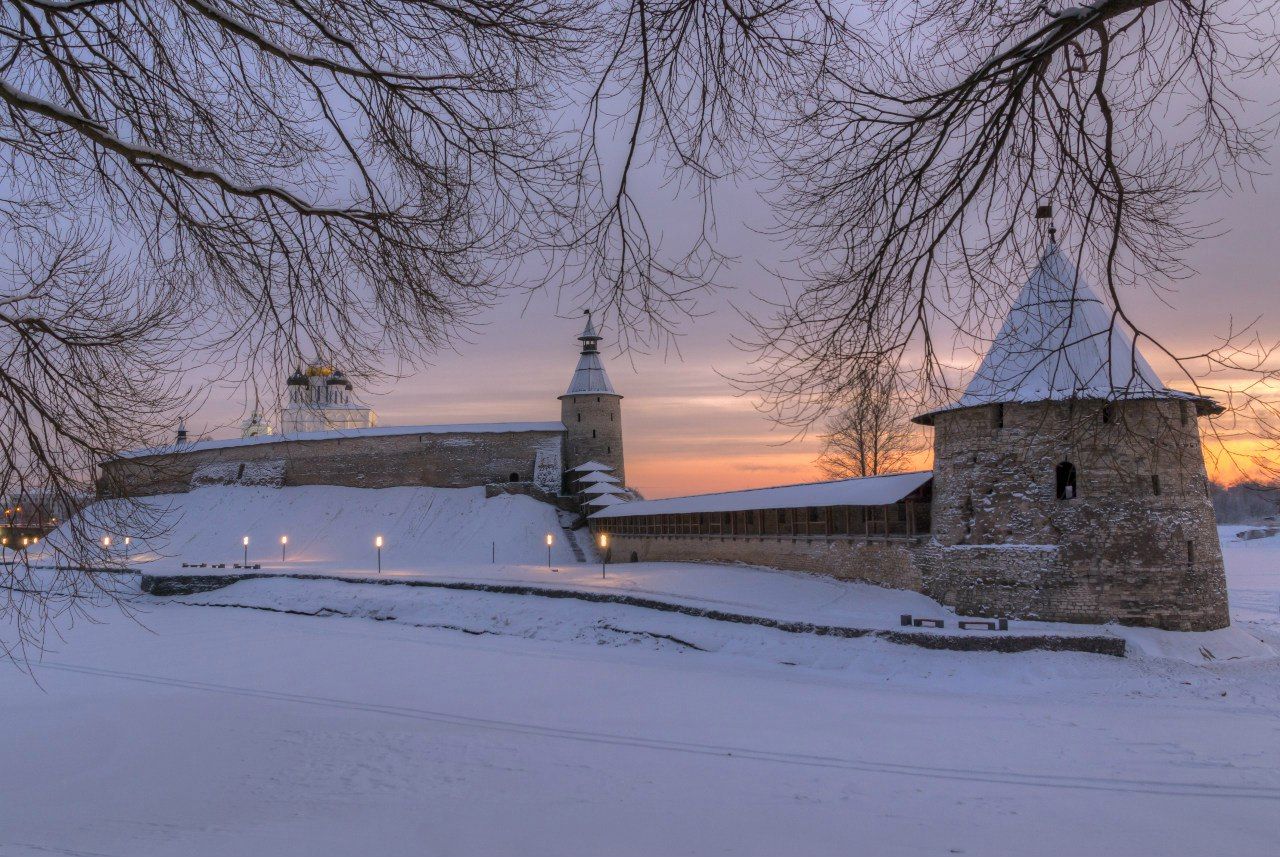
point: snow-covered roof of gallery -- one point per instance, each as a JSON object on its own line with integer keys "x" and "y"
{"x": 589, "y": 377}
{"x": 332, "y": 434}
{"x": 867, "y": 491}
{"x": 1062, "y": 341}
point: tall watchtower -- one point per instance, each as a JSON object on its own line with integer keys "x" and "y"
{"x": 591, "y": 411}
{"x": 1069, "y": 482}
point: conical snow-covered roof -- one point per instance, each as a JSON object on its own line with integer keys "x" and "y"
{"x": 1061, "y": 341}
{"x": 602, "y": 488}
{"x": 596, "y": 477}
{"x": 591, "y": 467}
{"x": 589, "y": 377}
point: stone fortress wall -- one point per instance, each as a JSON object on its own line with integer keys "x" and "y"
{"x": 889, "y": 563}
{"x": 442, "y": 459}
{"x": 1133, "y": 539}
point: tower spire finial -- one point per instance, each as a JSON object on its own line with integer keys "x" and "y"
{"x": 589, "y": 338}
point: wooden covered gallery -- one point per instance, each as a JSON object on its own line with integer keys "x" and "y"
{"x": 878, "y": 507}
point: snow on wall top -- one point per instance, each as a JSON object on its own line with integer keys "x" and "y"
{"x": 330, "y": 434}
{"x": 1062, "y": 341}
{"x": 867, "y": 491}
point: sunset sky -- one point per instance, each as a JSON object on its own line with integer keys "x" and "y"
{"x": 686, "y": 430}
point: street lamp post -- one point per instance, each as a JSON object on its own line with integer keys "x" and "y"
{"x": 550, "y": 539}
{"x": 284, "y": 541}
{"x": 127, "y": 541}
{"x": 245, "y": 542}
{"x": 377, "y": 543}
{"x": 604, "y": 553}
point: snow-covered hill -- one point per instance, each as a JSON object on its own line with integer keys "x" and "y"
{"x": 332, "y": 528}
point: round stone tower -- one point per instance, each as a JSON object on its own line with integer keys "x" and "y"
{"x": 1069, "y": 482}
{"x": 591, "y": 411}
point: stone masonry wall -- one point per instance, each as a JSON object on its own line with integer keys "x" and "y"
{"x": 888, "y": 564}
{"x": 1136, "y": 545}
{"x": 593, "y": 430}
{"x": 452, "y": 460}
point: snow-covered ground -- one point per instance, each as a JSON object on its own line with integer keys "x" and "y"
{"x": 483, "y": 724}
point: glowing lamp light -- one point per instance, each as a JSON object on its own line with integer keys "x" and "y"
{"x": 127, "y": 541}
{"x": 550, "y": 539}
{"x": 284, "y": 540}
{"x": 245, "y": 541}
{"x": 106, "y": 541}
{"x": 377, "y": 542}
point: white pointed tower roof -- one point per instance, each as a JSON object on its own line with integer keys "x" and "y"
{"x": 590, "y": 376}
{"x": 1061, "y": 341}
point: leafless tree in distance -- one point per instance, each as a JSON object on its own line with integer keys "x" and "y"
{"x": 871, "y": 433}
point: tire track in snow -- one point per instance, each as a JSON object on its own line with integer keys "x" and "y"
{"x": 1053, "y": 781}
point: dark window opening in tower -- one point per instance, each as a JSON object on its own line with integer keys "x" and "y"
{"x": 1108, "y": 414}
{"x": 610, "y": 416}
{"x": 597, "y": 398}
{"x": 998, "y": 416}
{"x": 593, "y": 433}
{"x": 1183, "y": 407}
{"x": 1191, "y": 552}
{"x": 579, "y": 417}
{"x": 608, "y": 450}
{"x": 1065, "y": 475}
{"x": 1155, "y": 484}
{"x": 514, "y": 477}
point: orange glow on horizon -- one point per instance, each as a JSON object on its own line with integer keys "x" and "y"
{"x": 1230, "y": 462}
{"x": 672, "y": 475}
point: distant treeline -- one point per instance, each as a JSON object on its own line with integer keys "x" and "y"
{"x": 1245, "y": 503}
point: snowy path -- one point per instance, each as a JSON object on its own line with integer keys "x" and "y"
{"x": 230, "y": 732}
